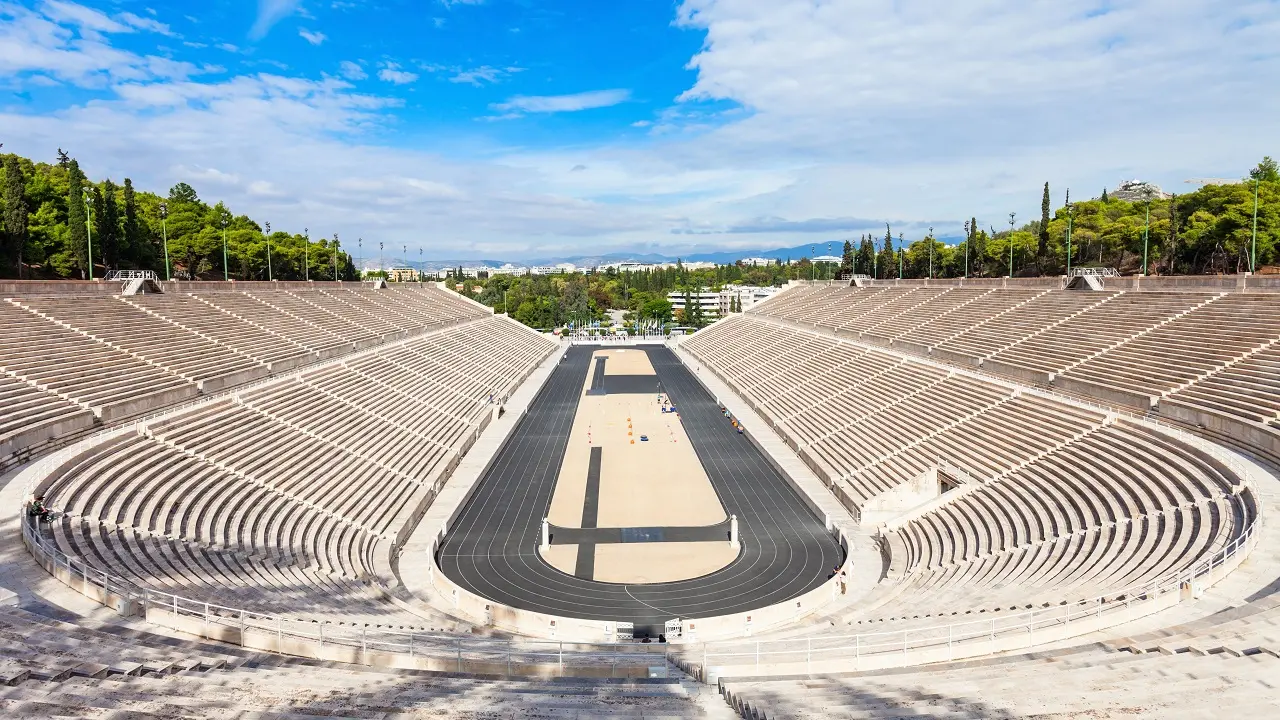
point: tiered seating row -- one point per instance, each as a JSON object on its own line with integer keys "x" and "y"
{"x": 875, "y": 419}
{"x": 295, "y": 486}
{"x": 1193, "y": 352}
{"x": 1059, "y": 500}
{"x": 85, "y": 360}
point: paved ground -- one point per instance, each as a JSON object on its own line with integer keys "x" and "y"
{"x": 492, "y": 548}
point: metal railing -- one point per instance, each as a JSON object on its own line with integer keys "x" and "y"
{"x": 980, "y": 637}
{"x": 253, "y": 629}
{"x": 1094, "y": 271}
{"x": 125, "y": 275}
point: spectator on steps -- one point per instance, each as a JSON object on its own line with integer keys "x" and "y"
{"x": 39, "y": 510}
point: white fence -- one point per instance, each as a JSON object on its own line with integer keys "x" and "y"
{"x": 999, "y": 633}
{"x": 349, "y": 643}
{"x": 131, "y": 275}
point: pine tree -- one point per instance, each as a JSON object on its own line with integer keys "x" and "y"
{"x": 1104, "y": 195}
{"x": 64, "y": 160}
{"x": 77, "y": 231}
{"x": 15, "y": 210}
{"x": 846, "y": 260}
{"x": 866, "y": 254}
{"x": 1043, "y": 248}
{"x": 107, "y": 223}
{"x": 1173, "y": 235}
{"x": 132, "y": 245}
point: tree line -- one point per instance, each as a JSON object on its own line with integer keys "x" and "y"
{"x": 55, "y": 217}
{"x": 1210, "y": 230}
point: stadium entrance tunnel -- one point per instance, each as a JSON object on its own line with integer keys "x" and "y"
{"x": 639, "y": 532}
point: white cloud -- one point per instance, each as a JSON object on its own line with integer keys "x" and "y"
{"x": 808, "y": 121}
{"x": 315, "y": 38}
{"x": 228, "y": 47}
{"x": 83, "y": 17}
{"x": 392, "y": 73}
{"x": 562, "y": 103}
{"x": 140, "y": 23}
{"x": 453, "y": 3}
{"x": 352, "y": 70}
{"x": 483, "y": 74}
{"x": 271, "y": 12}
{"x": 42, "y": 42}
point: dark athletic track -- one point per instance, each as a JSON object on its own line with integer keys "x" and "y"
{"x": 492, "y": 549}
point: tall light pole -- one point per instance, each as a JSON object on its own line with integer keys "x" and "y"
{"x": 930, "y": 252}
{"x": 968, "y": 236}
{"x": 1146, "y": 232}
{"x": 379, "y": 256}
{"x": 359, "y": 252}
{"x": 268, "y": 236}
{"x": 226, "y": 272}
{"x": 1253, "y": 257}
{"x": 1257, "y": 181}
{"x": 164, "y": 229}
{"x": 88, "y": 226}
{"x": 1069, "y": 221}
{"x": 1011, "y": 244}
{"x": 900, "y": 256}
{"x": 306, "y": 254}
{"x": 813, "y": 252}
{"x": 335, "y": 256}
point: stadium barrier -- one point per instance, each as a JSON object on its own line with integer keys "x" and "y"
{"x": 323, "y": 640}
{"x": 942, "y": 643}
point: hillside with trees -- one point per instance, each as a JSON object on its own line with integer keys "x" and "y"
{"x": 53, "y": 215}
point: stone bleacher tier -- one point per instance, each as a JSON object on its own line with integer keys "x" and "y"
{"x": 1061, "y": 503}
{"x": 68, "y": 364}
{"x": 286, "y": 497}
{"x": 1205, "y": 360}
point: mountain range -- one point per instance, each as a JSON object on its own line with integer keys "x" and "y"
{"x": 721, "y": 257}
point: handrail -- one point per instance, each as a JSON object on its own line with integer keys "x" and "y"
{"x": 168, "y": 610}
{"x": 963, "y": 635}
{"x": 131, "y": 275}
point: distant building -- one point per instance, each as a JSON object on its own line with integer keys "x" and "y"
{"x": 756, "y": 261}
{"x": 553, "y": 269}
{"x": 403, "y": 274}
{"x": 746, "y": 295}
{"x": 709, "y": 302}
{"x": 1137, "y": 190}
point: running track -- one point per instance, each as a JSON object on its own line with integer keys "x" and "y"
{"x": 492, "y": 549}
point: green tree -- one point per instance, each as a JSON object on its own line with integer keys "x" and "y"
{"x": 106, "y": 223}
{"x": 1266, "y": 171}
{"x": 1042, "y": 245}
{"x": 15, "y": 211}
{"x": 133, "y": 246}
{"x": 77, "y": 227}
{"x": 847, "y": 259}
{"x": 866, "y": 255}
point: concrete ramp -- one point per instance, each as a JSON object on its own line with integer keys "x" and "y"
{"x": 1085, "y": 282}
{"x": 140, "y": 286}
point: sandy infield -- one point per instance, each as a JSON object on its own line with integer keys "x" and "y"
{"x": 658, "y": 483}
{"x": 641, "y": 563}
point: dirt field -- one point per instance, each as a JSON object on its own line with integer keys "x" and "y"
{"x": 657, "y": 482}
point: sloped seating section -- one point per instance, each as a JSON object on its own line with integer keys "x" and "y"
{"x": 872, "y": 421}
{"x": 287, "y": 497}
{"x": 86, "y": 361}
{"x": 1116, "y": 510}
{"x": 1075, "y": 683}
{"x": 53, "y": 668}
{"x": 1056, "y": 502}
{"x": 1206, "y": 360}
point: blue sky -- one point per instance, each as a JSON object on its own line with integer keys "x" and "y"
{"x": 525, "y": 128}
